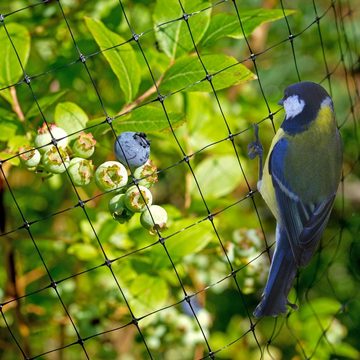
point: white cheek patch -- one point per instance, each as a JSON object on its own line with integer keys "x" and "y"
{"x": 327, "y": 102}
{"x": 293, "y": 106}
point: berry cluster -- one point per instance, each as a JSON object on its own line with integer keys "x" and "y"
{"x": 132, "y": 151}
{"x": 56, "y": 159}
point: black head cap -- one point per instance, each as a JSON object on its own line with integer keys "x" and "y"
{"x": 312, "y": 95}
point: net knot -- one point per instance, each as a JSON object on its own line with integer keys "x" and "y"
{"x": 82, "y": 58}
{"x": 27, "y": 79}
{"x": 136, "y": 37}
{"x": 186, "y": 16}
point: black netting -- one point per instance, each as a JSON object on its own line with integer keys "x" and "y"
{"x": 337, "y": 71}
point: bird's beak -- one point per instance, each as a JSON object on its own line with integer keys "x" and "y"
{"x": 281, "y": 102}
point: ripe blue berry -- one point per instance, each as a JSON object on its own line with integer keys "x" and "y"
{"x": 132, "y": 149}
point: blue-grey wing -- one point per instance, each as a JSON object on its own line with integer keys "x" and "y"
{"x": 303, "y": 222}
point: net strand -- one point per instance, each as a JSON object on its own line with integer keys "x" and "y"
{"x": 346, "y": 62}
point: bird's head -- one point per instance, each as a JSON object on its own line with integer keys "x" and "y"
{"x": 302, "y": 102}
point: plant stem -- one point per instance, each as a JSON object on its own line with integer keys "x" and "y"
{"x": 139, "y": 100}
{"x": 16, "y": 105}
{"x": 12, "y": 288}
{"x": 153, "y": 89}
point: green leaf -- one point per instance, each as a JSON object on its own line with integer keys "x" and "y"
{"x": 346, "y": 351}
{"x": 184, "y": 243}
{"x": 17, "y": 141}
{"x": 200, "y": 120}
{"x": 122, "y": 59}
{"x": 11, "y": 132}
{"x": 147, "y": 119}
{"x": 149, "y": 290}
{"x": 5, "y": 155}
{"x": 174, "y": 38}
{"x": 45, "y": 102}
{"x": 324, "y": 307}
{"x": 10, "y": 69}
{"x": 222, "y": 25}
{"x": 188, "y": 70}
{"x": 217, "y": 176}
{"x": 6, "y": 114}
{"x": 107, "y": 229}
{"x": 70, "y": 117}
{"x": 83, "y": 251}
{"x": 191, "y": 241}
{"x": 8, "y": 129}
{"x": 7, "y": 96}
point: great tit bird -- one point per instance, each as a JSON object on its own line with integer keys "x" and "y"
{"x": 298, "y": 183}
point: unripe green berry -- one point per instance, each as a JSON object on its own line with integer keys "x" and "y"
{"x": 111, "y": 175}
{"x": 154, "y": 218}
{"x": 43, "y": 137}
{"x": 118, "y": 209}
{"x": 146, "y": 174}
{"x": 136, "y": 200}
{"x": 31, "y": 158}
{"x": 54, "y": 162}
{"x": 81, "y": 171}
{"x": 84, "y": 145}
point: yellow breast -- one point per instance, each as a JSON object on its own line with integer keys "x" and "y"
{"x": 265, "y": 186}
{"x": 311, "y": 154}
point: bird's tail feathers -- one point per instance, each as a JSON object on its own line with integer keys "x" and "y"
{"x": 282, "y": 272}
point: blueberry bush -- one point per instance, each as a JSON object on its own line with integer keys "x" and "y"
{"x": 163, "y": 254}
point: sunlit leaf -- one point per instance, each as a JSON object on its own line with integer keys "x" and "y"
{"x": 147, "y": 119}
{"x": 346, "y": 351}
{"x": 144, "y": 119}
{"x": 122, "y": 59}
{"x": 174, "y": 38}
{"x": 222, "y": 25}
{"x": 70, "y": 117}
{"x": 184, "y": 243}
{"x": 151, "y": 291}
{"x": 5, "y": 155}
{"x": 10, "y": 69}
{"x": 188, "y": 70}
{"x": 83, "y": 251}
{"x": 217, "y": 176}
{"x": 8, "y": 129}
{"x": 44, "y": 102}
{"x": 7, "y": 95}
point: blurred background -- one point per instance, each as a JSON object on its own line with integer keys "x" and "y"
{"x": 55, "y": 287}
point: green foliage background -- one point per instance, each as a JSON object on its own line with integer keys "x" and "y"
{"x": 327, "y": 323}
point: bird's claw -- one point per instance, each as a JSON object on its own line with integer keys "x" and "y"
{"x": 255, "y": 148}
